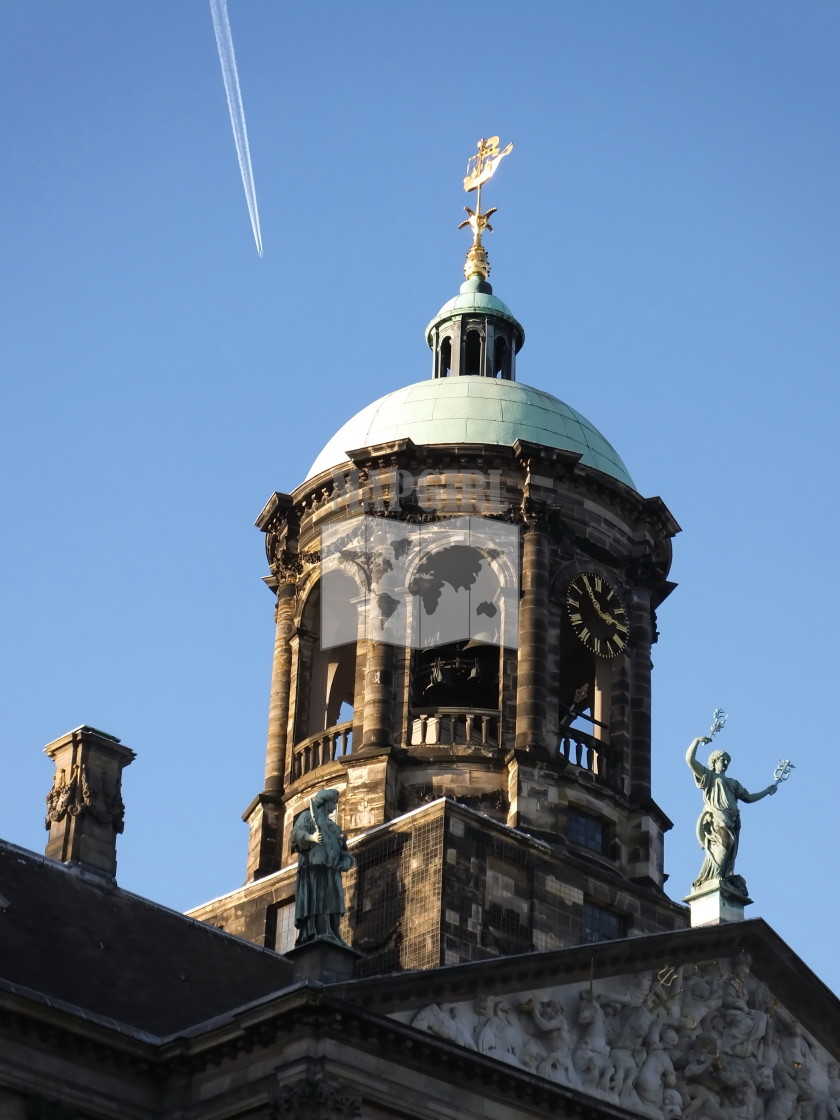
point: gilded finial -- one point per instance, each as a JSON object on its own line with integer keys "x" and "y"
{"x": 480, "y": 168}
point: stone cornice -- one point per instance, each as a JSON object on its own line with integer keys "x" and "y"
{"x": 354, "y": 1013}
{"x": 790, "y": 980}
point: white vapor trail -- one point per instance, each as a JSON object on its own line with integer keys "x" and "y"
{"x": 227, "y": 58}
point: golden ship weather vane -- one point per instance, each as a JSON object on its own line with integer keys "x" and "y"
{"x": 480, "y": 168}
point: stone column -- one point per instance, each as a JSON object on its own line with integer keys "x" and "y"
{"x": 281, "y": 676}
{"x": 532, "y": 678}
{"x": 84, "y": 807}
{"x": 378, "y": 696}
{"x": 641, "y": 631}
{"x": 264, "y": 816}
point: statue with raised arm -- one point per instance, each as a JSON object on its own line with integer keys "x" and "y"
{"x": 719, "y": 825}
{"x": 322, "y": 858}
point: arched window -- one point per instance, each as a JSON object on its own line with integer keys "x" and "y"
{"x": 445, "y": 357}
{"x": 472, "y": 353}
{"x": 326, "y": 656}
{"x": 501, "y": 359}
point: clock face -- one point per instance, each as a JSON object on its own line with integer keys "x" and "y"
{"x": 597, "y": 614}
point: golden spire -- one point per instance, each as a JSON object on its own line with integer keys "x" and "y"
{"x": 480, "y": 168}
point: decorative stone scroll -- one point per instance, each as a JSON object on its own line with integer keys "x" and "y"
{"x": 705, "y": 1041}
{"x": 76, "y": 794}
{"x": 315, "y": 1100}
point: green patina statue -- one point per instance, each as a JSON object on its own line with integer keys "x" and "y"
{"x": 322, "y": 858}
{"x": 719, "y": 825}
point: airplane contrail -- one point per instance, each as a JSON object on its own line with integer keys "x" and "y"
{"x": 227, "y": 58}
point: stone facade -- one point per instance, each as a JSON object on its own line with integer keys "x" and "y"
{"x": 445, "y": 883}
{"x": 554, "y": 744}
{"x": 720, "y": 1023}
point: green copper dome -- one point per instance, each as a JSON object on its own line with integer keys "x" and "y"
{"x": 472, "y": 299}
{"x": 467, "y": 410}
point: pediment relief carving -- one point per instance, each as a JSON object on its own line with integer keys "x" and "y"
{"x": 705, "y": 1040}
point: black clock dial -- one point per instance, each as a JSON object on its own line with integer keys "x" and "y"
{"x": 597, "y": 614}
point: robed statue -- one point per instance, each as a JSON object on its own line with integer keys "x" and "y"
{"x": 719, "y": 824}
{"x": 322, "y": 859}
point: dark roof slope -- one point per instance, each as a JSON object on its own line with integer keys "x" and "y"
{"x": 74, "y": 938}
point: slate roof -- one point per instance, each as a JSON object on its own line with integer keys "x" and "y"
{"x": 73, "y": 937}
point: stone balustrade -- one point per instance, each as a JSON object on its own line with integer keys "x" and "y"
{"x": 445, "y": 727}
{"x": 585, "y": 751}
{"x": 328, "y": 745}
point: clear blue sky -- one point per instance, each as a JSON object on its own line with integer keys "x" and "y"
{"x": 668, "y": 235}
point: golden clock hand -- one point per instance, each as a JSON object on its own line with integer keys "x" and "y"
{"x": 604, "y": 617}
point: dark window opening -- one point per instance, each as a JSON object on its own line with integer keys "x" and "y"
{"x": 501, "y": 359}
{"x": 472, "y": 354}
{"x": 445, "y": 358}
{"x": 588, "y": 831}
{"x": 327, "y": 659}
{"x": 576, "y": 684}
{"x": 601, "y": 924}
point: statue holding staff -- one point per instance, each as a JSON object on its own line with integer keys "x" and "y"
{"x": 322, "y": 858}
{"x": 719, "y": 824}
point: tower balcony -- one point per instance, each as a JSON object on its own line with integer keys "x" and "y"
{"x": 588, "y": 754}
{"x": 326, "y": 746}
{"x": 450, "y": 727}
{"x": 453, "y": 727}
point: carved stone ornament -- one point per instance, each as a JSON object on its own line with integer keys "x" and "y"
{"x": 315, "y": 1100}
{"x": 75, "y": 795}
{"x": 705, "y": 1041}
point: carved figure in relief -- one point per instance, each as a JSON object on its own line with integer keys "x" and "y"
{"x": 322, "y": 859}
{"x": 827, "y": 1104}
{"x": 591, "y": 1055}
{"x": 464, "y": 1021}
{"x": 657, "y": 1072}
{"x": 793, "y": 1046}
{"x": 444, "y": 1021}
{"x": 702, "y": 1081}
{"x": 783, "y": 1103}
{"x": 483, "y": 1007}
{"x": 671, "y": 1104}
{"x": 626, "y": 1049}
{"x": 645, "y": 1048}
{"x": 754, "y": 1086}
{"x": 744, "y": 1026}
{"x": 698, "y": 999}
{"x": 502, "y": 1037}
{"x": 646, "y": 1013}
{"x": 719, "y": 825}
{"x": 550, "y": 1052}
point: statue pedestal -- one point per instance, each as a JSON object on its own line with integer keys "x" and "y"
{"x": 715, "y": 903}
{"x": 323, "y": 960}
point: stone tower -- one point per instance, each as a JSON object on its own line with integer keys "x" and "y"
{"x": 466, "y": 587}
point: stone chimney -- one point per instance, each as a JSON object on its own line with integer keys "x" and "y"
{"x": 84, "y": 807}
